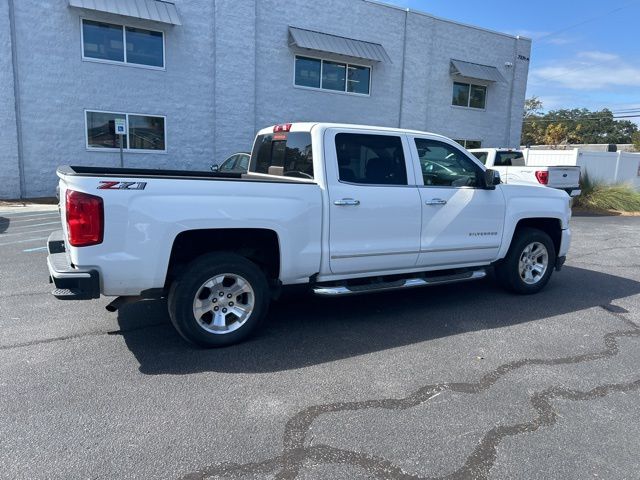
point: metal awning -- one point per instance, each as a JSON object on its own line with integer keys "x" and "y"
{"x": 154, "y": 10}
{"x": 475, "y": 70}
{"x": 348, "y": 47}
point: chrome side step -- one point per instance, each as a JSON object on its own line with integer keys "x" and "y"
{"x": 340, "y": 290}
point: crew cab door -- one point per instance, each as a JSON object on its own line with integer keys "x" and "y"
{"x": 374, "y": 205}
{"x": 462, "y": 222}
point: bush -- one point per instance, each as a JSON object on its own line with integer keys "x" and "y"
{"x": 597, "y": 195}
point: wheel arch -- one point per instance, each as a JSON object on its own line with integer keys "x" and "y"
{"x": 260, "y": 245}
{"x": 552, "y": 226}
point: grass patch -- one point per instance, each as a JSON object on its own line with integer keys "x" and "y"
{"x": 597, "y": 195}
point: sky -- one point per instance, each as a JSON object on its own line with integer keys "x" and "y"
{"x": 585, "y": 53}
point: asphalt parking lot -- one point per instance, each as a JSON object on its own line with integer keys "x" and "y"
{"x": 462, "y": 381}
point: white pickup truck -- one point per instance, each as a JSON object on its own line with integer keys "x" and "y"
{"x": 512, "y": 167}
{"x": 343, "y": 209}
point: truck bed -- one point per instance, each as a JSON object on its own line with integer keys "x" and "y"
{"x": 74, "y": 170}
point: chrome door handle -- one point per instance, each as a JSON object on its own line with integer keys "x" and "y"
{"x": 347, "y": 202}
{"x": 435, "y": 201}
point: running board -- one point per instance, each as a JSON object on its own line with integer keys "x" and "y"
{"x": 340, "y": 290}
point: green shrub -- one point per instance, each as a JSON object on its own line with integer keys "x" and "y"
{"x": 597, "y": 195}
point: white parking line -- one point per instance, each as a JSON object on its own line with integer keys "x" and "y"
{"x": 2, "y": 235}
{"x": 36, "y": 218}
{"x": 23, "y": 241}
{"x": 31, "y": 213}
{"x": 36, "y": 225}
{"x": 37, "y": 249}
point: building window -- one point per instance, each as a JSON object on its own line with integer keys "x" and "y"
{"x": 468, "y": 95}
{"x": 144, "y": 132}
{"x": 330, "y": 75}
{"x": 470, "y": 143}
{"x": 121, "y": 44}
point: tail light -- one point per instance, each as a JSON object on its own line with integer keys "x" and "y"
{"x": 542, "y": 176}
{"x": 282, "y": 128}
{"x": 85, "y": 219}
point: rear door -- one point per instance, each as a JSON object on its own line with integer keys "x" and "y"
{"x": 462, "y": 223}
{"x": 374, "y": 205}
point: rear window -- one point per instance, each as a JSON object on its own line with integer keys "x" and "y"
{"x": 284, "y": 153}
{"x": 509, "y": 159}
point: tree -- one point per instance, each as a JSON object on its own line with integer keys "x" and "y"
{"x": 581, "y": 125}
{"x": 555, "y": 134}
{"x": 532, "y": 130}
{"x": 635, "y": 139}
{"x": 532, "y": 107}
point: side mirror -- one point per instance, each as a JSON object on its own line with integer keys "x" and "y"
{"x": 215, "y": 168}
{"x": 491, "y": 179}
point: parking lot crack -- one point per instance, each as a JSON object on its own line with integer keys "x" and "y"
{"x": 73, "y": 337}
{"x": 477, "y": 465}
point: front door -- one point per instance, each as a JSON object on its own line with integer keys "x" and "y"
{"x": 462, "y": 222}
{"x": 374, "y": 205}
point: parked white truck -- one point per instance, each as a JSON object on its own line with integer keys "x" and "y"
{"x": 343, "y": 209}
{"x": 512, "y": 167}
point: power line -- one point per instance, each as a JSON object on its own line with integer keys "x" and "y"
{"x": 561, "y": 120}
{"x": 569, "y": 27}
{"x": 626, "y": 110}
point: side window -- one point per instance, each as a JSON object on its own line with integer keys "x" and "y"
{"x": 371, "y": 159}
{"x": 229, "y": 164}
{"x": 482, "y": 156}
{"x": 243, "y": 162}
{"x": 443, "y": 165}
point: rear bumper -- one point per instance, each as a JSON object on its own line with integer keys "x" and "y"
{"x": 71, "y": 283}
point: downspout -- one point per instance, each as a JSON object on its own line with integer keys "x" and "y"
{"x": 513, "y": 81}
{"x": 215, "y": 81}
{"x": 16, "y": 97}
{"x": 255, "y": 69}
{"x": 404, "y": 56}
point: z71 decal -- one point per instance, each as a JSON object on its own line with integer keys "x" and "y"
{"x": 122, "y": 185}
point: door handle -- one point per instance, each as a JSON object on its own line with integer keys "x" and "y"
{"x": 346, "y": 202}
{"x": 435, "y": 201}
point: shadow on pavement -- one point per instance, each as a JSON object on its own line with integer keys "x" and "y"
{"x": 4, "y": 224}
{"x": 307, "y": 330}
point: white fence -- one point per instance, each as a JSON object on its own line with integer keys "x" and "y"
{"x": 610, "y": 167}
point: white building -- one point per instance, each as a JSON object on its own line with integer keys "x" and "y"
{"x": 195, "y": 79}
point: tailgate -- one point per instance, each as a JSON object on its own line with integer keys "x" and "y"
{"x": 564, "y": 177}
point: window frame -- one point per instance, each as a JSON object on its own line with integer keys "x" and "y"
{"x": 128, "y": 149}
{"x": 468, "y": 106}
{"x": 346, "y": 80}
{"x": 406, "y": 152}
{"x": 452, "y": 143}
{"x": 124, "y": 43}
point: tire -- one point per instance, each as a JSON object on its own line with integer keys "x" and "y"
{"x": 530, "y": 245}
{"x": 224, "y": 282}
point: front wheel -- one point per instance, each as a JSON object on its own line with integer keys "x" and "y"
{"x": 218, "y": 300}
{"x": 529, "y": 262}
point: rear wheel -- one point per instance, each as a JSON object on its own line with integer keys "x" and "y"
{"x": 529, "y": 262}
{"x": 218, "y": 300}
